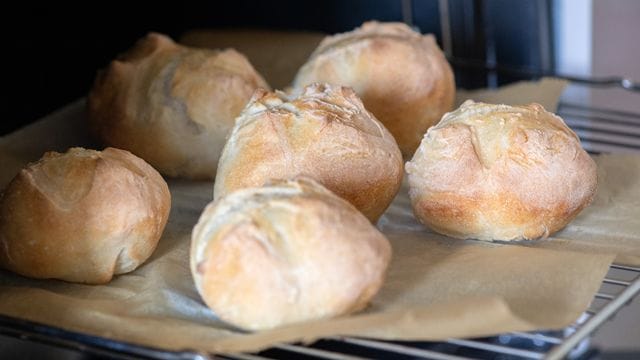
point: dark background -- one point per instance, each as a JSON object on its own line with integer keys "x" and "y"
{"x": 52, "y": 51}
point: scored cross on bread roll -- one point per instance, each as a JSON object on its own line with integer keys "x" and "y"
{"x": 324, "y": 133}
{"x": 499, "y": 172}
{"x": 82, "y": 216}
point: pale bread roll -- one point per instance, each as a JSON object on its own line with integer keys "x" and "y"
{"x": 324, "y": 133}
{"x": 401, "y": 76}
{"x": 499, "y": 172}
{"x": 82, "y": 216}
{"x": 172, "y": 105}
{"x": 287, "y": 252}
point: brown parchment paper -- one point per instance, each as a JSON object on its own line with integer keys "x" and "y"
{"x": 436, "y": 287}
{"x": 276, "y": 55}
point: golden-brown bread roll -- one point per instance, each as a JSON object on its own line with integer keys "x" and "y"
{"x": 287, "y": 252}
{"x": 172, "y": 105}
{"x": 82, "y": 216}
{"x": 498, "y": 172}
{"x": 324, "y": 133}
{"x": 401, "y": 76}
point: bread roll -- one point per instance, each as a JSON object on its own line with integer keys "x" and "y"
{"x": 82, "y": 216}
{"x": 499, "y": 172}
{"x": 324, "y": 133}
{"x": 401, "y": 76}
{"x": 287, "y": 252}
{"x": 172, "y": 105}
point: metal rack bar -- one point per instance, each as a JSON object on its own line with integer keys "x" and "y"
{"x": 616, "y": 282}
{"x": 324, "y": 354}
{"x": 594, "y": 147}
{"x": 604, "y": 296}
{"x": 537, "y": 336}
{"x": 600, "y": 118}
{"x": 501, "y": 349}
{"x": 608, "y": 112}
{"x": 240, "y": 356}
{"x": 624, "y": 267}
{"x": 407, "y": 12}
{"x": 619, "y": 140}
{"x": 445, "y": 27}
{"x": 596, "y": 320}
{"x": 584, "y": 122}
{"x": 603, "y": 81}
{"x": 401, "y": 349}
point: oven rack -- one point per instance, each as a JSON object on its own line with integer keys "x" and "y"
{"x": 619, "y": 287}
{"x": 528, "y": 72}
{"x": 601, "y": 131}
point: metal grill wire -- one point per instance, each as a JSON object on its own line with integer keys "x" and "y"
{"x": 601, "y": 130}
{"x": 619, "y": 287}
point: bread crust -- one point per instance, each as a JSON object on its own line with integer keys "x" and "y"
{"x": 287, "y": 252}
{"x": 401, "y": 76}
{"x": 324, "y": 133}
{"x": 498, "y": 172}
{"x": 171, "y": 105}
{"x": 82, "y": 216}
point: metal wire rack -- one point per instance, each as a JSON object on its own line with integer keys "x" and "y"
{"x": 619, "y": 287}
{"x": 601, "y": 130}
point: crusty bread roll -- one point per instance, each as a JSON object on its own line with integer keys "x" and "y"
{"x": 283, "y": 253}
{"x": 401, "y": 76}
{"x": 324, "y": 133}
{"x": 172, "y": 105}
{"x": 498, "y": 172}
{"x": 82, "y": 216}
